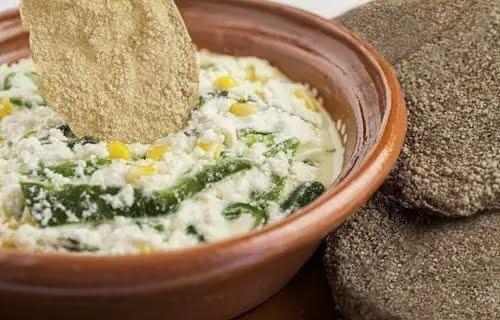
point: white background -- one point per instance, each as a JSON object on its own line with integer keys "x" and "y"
{"x": 326, "y": 8}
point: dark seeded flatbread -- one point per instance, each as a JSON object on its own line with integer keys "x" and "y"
{"x": 399, "y": 28}
{"x": 389, "y": 263}
{"x": 447, "y": 57}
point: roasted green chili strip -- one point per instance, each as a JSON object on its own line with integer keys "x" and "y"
{"x": 302, "y": 196}
{"x": 228, "y": 154}
{"x": 70, "y": 169}
{"x": 309, "y": 162}
{"x": 235, "y": 210}
{"x": 253, "y": 137}
{"x": 66, "y": 130}
{"x": 83, "y": 141}
{"x": 74, "y": 245}
{"x": 80, "y": 203}
{"x": 21, "y": 102}
{"x": 10, "y": 79}
{"x": 274, "y": 194}
{"x": 69, "y": 204}
{"x": 260, "y": 203}
{"x": 192, "y": 185}
{"x": 288, "y": 147}
{"x": 194, "y": 232}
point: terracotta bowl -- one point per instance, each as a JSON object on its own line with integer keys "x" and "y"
{"x": 224, "y": 279}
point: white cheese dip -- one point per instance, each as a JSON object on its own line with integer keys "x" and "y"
{"x": 257, "y": 148}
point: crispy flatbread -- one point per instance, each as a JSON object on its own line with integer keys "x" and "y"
{"x": 388, "y": 262}
{"x": 450, "y": 73}
{"x": 123, "y": 70}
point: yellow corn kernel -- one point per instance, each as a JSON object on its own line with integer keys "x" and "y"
{"x": 145, "y": 248}
{"x": 5, "y": 108}
{"x": 252, "y": 75}
{"x": 241, "y": 109}
{"x": 225, "y": 83}
{"x": 311, "y": 104}
{"x": 119, "y": 150}
{"x": 2, "y": 138}
{"x": 137, "y": 172}
{"x": 214, "y": 149}
{"x": 205, "y": 146}
{"x": 156, "y": 152}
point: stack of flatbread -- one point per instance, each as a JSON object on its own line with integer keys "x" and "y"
{"x": 427, "y": 246}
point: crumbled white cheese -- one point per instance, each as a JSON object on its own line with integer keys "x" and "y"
{"x": 35, "y": 143}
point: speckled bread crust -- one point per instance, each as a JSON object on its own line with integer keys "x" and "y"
{"x": 389, "y": 263}
{"x": 399, "y": 28}
{"x": 122, "y": 70}
{"x": 446, "y": 55}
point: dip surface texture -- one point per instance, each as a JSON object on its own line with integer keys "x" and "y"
{"x": 257, "y": 148}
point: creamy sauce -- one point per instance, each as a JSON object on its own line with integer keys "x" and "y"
{"x": 255, "y": 150}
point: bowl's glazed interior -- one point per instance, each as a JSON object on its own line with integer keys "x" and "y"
{"x": 353, "y": 93}
{"x": 220, "y": 280}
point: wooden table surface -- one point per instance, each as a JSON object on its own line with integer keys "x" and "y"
{"x": 307, "y": 297}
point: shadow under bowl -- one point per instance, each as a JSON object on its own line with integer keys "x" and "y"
{"x": 224, "y": 279}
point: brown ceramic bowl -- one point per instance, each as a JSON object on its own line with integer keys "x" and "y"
{"x": 224, "y": 279}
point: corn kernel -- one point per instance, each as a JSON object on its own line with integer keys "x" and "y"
{"x": 214, "y": 149}
{"x": 311, "y": 104}
{"x": 205, "y": 146}
{"x": 225, "y": 83}
{"x": 137, "y": 172}
{"x": 145, "y": 248}
{"x": 241, "y": 109}
{"x": 252, "y": 75}
{"x": 119, "y": 150}
{"x": 156, "y": 152}
{"x": 5, "y": 107}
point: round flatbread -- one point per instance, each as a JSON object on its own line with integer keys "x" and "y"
{"x": 389, "y": 263}
{"x": 123, "y": 70}
{"x": 450, "y": 72}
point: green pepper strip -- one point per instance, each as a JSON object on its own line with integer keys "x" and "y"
{"x": 260, "y": 203}
{"x": 235, "y": 210}
{"x": 302, "y": 196}
{"x": 81, "y": 203}
{"x": 252, "y": 137}
{"x": 69, "y": 169}
{"x": 288, "y": 147}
